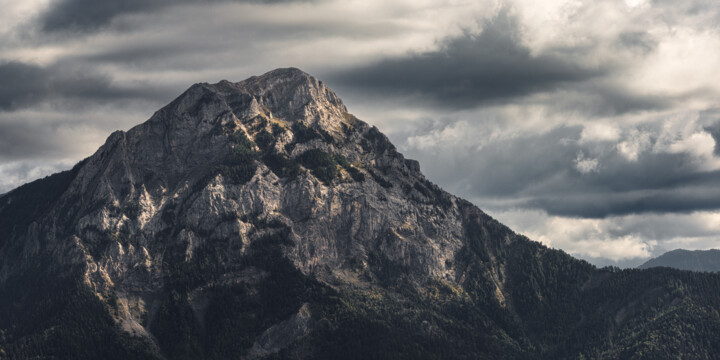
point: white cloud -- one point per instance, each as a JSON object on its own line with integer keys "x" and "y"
{"x": 585, "y": 238}
{"x": 621, "y": 238}
{"x": 600, "y": 131}
{"x": 16, "y": 173}
{"x": 16, "y": 13}
{"x": 636, "y": 3}
{"x": 634, "y": 144}
{"x": 686, "y": 61}
{"x": 699, "y": 144}
{"x": 586, "y": 165}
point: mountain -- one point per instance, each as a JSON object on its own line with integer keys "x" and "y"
{"x": 693, "y": 260}
{"x": 260, "y": 219}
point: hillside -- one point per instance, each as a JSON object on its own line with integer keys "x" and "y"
{"x": 693, "y": 260}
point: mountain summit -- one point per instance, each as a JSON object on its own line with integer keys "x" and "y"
{"x": 260, "y": 219}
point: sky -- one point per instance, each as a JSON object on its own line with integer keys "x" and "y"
{"x": 590, "y": 126}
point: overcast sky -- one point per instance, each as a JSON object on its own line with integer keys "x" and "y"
{"x": 590, "y": 126}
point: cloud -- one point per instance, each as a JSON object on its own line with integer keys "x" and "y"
{"x": 582, "y": 171}
{"x": 585, "y": 238}
{"x": 601, "y": 205}
{"x": 712, "y": 117}
{"x": 635, "y": 143}
{"x": 603, "y": 99}
{"x": 471, "y": 70}
{"x": 586, "y": 165}
{"x": 625, "y": 241}
{"x": 88, "y": 15}
{"x": 26, "y": 85}
{"x": 20, "y": 172}
{"x": 50, "y": 135}
{"x": 640, "y": 41}
{"x": 597, "y": 131}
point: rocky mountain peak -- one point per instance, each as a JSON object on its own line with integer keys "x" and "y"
{"x": 287, "y": 90}
{"x": 259, "y": 219}
{"x": 288, "y": 94}
{"x": 196, "y": 131}
{"x": 277, "y": 148}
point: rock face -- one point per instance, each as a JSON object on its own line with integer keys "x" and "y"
{"x": 261, "y": 219}
{"x": 281, "y": 335}
{"x": 163, "y": 177}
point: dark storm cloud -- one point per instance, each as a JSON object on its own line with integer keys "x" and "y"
{"x": 84, "y": 15}
{"x": 471, "y": 69}
{"x": 603, "y": 100}
{"x": 516, "y": 166}
{"x": 144, "y": 53}
{"x": 540, "y": 172}
{"x": 91, "y": 14}
{"x": 656, "y": 183}
{"x": 601, "y": 205}
{"x": 27, "y": 140}
{"x": 26, "y": 85}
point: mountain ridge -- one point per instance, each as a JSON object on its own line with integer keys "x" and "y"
{"x": 692, "y": 260}
{"x": 260, "y": 219}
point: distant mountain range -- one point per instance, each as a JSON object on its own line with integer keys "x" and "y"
{"x": 694, "y": 260}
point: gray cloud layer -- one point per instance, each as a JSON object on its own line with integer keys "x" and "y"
{"x": 89, "y": 15}
{"x": 26, "y": 85}
{"x": 541, "y": 171}
{"x": 470, "y": 70}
